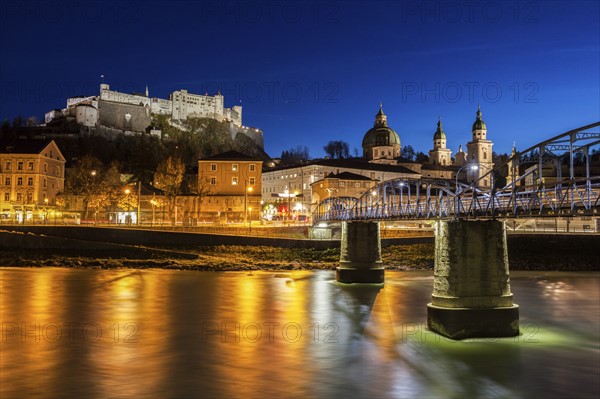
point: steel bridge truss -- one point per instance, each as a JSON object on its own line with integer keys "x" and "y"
{"x": 525, "y": 195}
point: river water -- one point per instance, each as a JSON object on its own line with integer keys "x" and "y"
{"x": 79, "y": 333}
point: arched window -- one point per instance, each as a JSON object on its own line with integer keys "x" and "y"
{"x": 485, "y": 155}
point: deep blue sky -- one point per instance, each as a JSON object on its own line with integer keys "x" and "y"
{"x": 310, "y": 72}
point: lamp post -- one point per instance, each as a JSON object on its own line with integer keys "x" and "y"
{"x": 250, "y": 219}
{"x": 139, "y": 200}
{"x": 246, "y": 191}
{"x": 153, "y": 202}
{"x": 456, "y": 202}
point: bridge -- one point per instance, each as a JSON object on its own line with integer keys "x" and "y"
{"x": 570, "y": 191}
{"x": 471, "y": 291}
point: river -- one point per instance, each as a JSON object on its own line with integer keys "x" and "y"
{"x": 126, "y": 333}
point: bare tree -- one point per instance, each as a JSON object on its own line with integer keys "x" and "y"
{"x": 201, "y": 187}
{"x": 168, "y": 177}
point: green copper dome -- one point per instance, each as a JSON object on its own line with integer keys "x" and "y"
{"x": 380, "y": 134}
{"x": 479, "y": 123}
{"x": 439, "y": 133}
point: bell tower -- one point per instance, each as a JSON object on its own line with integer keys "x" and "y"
{"x": 479, "y": 153}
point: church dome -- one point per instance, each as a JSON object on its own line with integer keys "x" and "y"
{"x": 439, "y": 133}
{"x": 380, "y": 134}
{"x": 479, "y": 123}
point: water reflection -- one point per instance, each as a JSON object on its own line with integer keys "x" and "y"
{"x": 154, "y": 333}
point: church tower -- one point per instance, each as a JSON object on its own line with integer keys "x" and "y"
{"x": 513, "y": 167}
{"x": 460, "y": 158}
{"x": 479, "y": 153}
{"x": 440, "y": 155}
{"x": 381, "y": 144}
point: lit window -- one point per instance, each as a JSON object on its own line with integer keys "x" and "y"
{"x": 342, "y": 184}
{"x": 234, "y": 167}
{"x": 234, "y": 181}
{"x": 30, "y": 166}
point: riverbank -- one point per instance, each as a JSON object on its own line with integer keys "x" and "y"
{"x": 240, "y": 258}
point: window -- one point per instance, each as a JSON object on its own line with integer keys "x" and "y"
{"x": 7, "y": 166}
{"x": 485, "y": 155}
{"x": 45, "y": 182}
{"x": 30, "y": 166}
{"x": 19, "y": 197}
{"x": 7, "y": 197}
{"x": 50, "y": 153}
{"x": 213, "y": 167}
{"x": 357, "y": 185}
{"x": 20, "y": 166}
{"x": 30, "y": 181}
{"x": 19, "y": 181}
{"x": 252, "y": 167}
{"x": 342, "y": 184}
{"x": 58, "y": 171}
{"x": 45, "y": 167}
{"x": 7, "y": 181}
{"x": 252, "y": 181}
{"x": 29, "y": 197}
{"x": 213, "y": 181}
{"x": 234, "y": 181}
{"x": 234, "y": 167}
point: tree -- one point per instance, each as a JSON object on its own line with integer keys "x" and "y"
{"x": 294, "y": 155}
{"x": 421, "y": 158}
{"x": 337, "y": 149}
{"x": 93, "y": 182}
{"x": 168, "y": 177}
{"x": 408, "y": 153}
{"x": 201, "y": 188}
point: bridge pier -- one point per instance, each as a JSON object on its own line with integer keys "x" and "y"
{"x": 360, "y": 255}
{"x": 471, "y": 289}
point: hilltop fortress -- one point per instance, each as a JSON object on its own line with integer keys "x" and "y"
{"x": 118, "y": 112}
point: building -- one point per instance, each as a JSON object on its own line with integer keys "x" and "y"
{"x": 230, "y": 184}
{"x": 32, "y": 173}
{"x": 381, "y": 143}
{"x": 115, "y": 112}
{"x": 440, "y": 155}
{"x": 479, "y": 153}
{"x": 345, "y": 184}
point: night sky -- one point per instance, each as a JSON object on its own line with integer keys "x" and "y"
{"x": 310, "y": 72}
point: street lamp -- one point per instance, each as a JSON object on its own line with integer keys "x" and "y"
{"x": 471, "y": 166}
{"x": 246, "y": 191}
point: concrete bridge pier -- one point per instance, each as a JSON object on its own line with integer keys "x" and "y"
{"x": 471, "y": 288}
{"x": 360, "y": 255}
